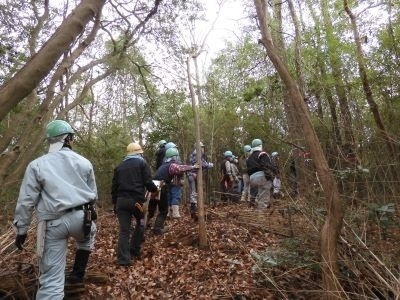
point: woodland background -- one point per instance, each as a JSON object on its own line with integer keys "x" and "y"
{"x": 122, "y": 71}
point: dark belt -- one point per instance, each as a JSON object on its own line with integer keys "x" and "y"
{"x": 80, "y": 207}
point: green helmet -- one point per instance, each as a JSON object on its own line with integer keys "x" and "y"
{"x": 161, "y": 143}
{"x": 256, "y": 143}
{"x": 171, "y": 152}
{"x": 228, "y": 153}
{"x": 247, "y": 148}
{"x": 170, "y": 145}
{"x": 58, "y": 127}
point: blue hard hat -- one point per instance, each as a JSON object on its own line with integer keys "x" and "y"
{"x": 228, "y": 153}
{"x": 256, "y": 143}
{"x": 171, "y": 152}
{"x": 170, "y": 145}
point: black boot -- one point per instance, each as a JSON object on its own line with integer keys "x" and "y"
{"x": 78, "y": 271}
{"x": 159, "y": 228}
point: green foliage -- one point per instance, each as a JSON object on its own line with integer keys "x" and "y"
{"x": 253, "y": 90}
{"x": 106, "y": 150}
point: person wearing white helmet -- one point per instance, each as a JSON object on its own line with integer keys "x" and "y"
{"x": 261, "y": 172}
{"x": 60, "y": 187}
{"x": 132, "y": 177}
{"x": 245, "y": 177}
{"x": 276, "y": 182}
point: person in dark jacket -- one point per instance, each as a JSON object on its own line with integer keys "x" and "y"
{"x": 160, "y": 153}
{"x": 243, "y": 168}
{"x": 261, "y": 172}
{"x": 169, "y": 171}
{"x": 131, "y": 179}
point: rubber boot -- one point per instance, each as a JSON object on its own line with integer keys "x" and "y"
{"x": 248, "y": 198}
{"x": 79, "y": 268}
{"x": 159, "y": 228}
{"x": 175, "y": 212}
{"x": 243, "y": 198}
{"x": 169, "y": 215}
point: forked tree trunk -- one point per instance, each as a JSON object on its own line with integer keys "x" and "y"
{"x": 333, "y": 224}
{"x": 26, "y": 79}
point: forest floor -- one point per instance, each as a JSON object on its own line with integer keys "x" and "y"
{"x": 250, "y": 255}
{"x": 173, "y": 267}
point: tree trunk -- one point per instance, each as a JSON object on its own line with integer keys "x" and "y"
{"x": 349, "y": 147}
{"x": 365, "y": 82}
{"x": 200, "y": 200}
{"x": 333, "y": 224}
{"x": 323, "y": 77}
{"x": 26, "y": 79}
{"x": 298, "y": 58}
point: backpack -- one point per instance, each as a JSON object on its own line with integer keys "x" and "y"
{"x": 269, "y": 173}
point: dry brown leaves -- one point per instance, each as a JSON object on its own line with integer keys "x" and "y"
{"x": 173, "y": 267}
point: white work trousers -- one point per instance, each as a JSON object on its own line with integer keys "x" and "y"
{"x": 52, "y": 264}
{"x": 263, "y": 187}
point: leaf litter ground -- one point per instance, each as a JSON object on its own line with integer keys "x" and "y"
{"x": 173, "y": 267}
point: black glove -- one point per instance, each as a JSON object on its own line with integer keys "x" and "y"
{"x": 20, "y": 240}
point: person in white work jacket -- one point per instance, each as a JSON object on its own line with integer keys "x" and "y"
{"x": 59, "y": 186}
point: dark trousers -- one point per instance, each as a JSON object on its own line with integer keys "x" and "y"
{"x": 225, "y": 187}
{"x": 162, "y": 205}
{"x": 129, "y": 242}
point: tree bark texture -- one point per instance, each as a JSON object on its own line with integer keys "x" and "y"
{"x": 26, "y": 79}
{"x": 323, "y": 77}
{"x": 333, "y": 223}
{"x": 362, "y": 70}
{"x": 348, "y": 150}
{"x": 200, "y": 195}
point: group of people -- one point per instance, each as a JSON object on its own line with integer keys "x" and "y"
{"x": 60, "y": 186}
{"x": 175, "y": 186}
{"x": 259, "y": 172}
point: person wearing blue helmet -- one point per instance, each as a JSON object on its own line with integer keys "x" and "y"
{"x": 245, "y": 177}
{"x": 169, "y": 173}
{"x": 192, "y": 177}
{"x": 261, "y": 172}
{"x": 175, "y": 186}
